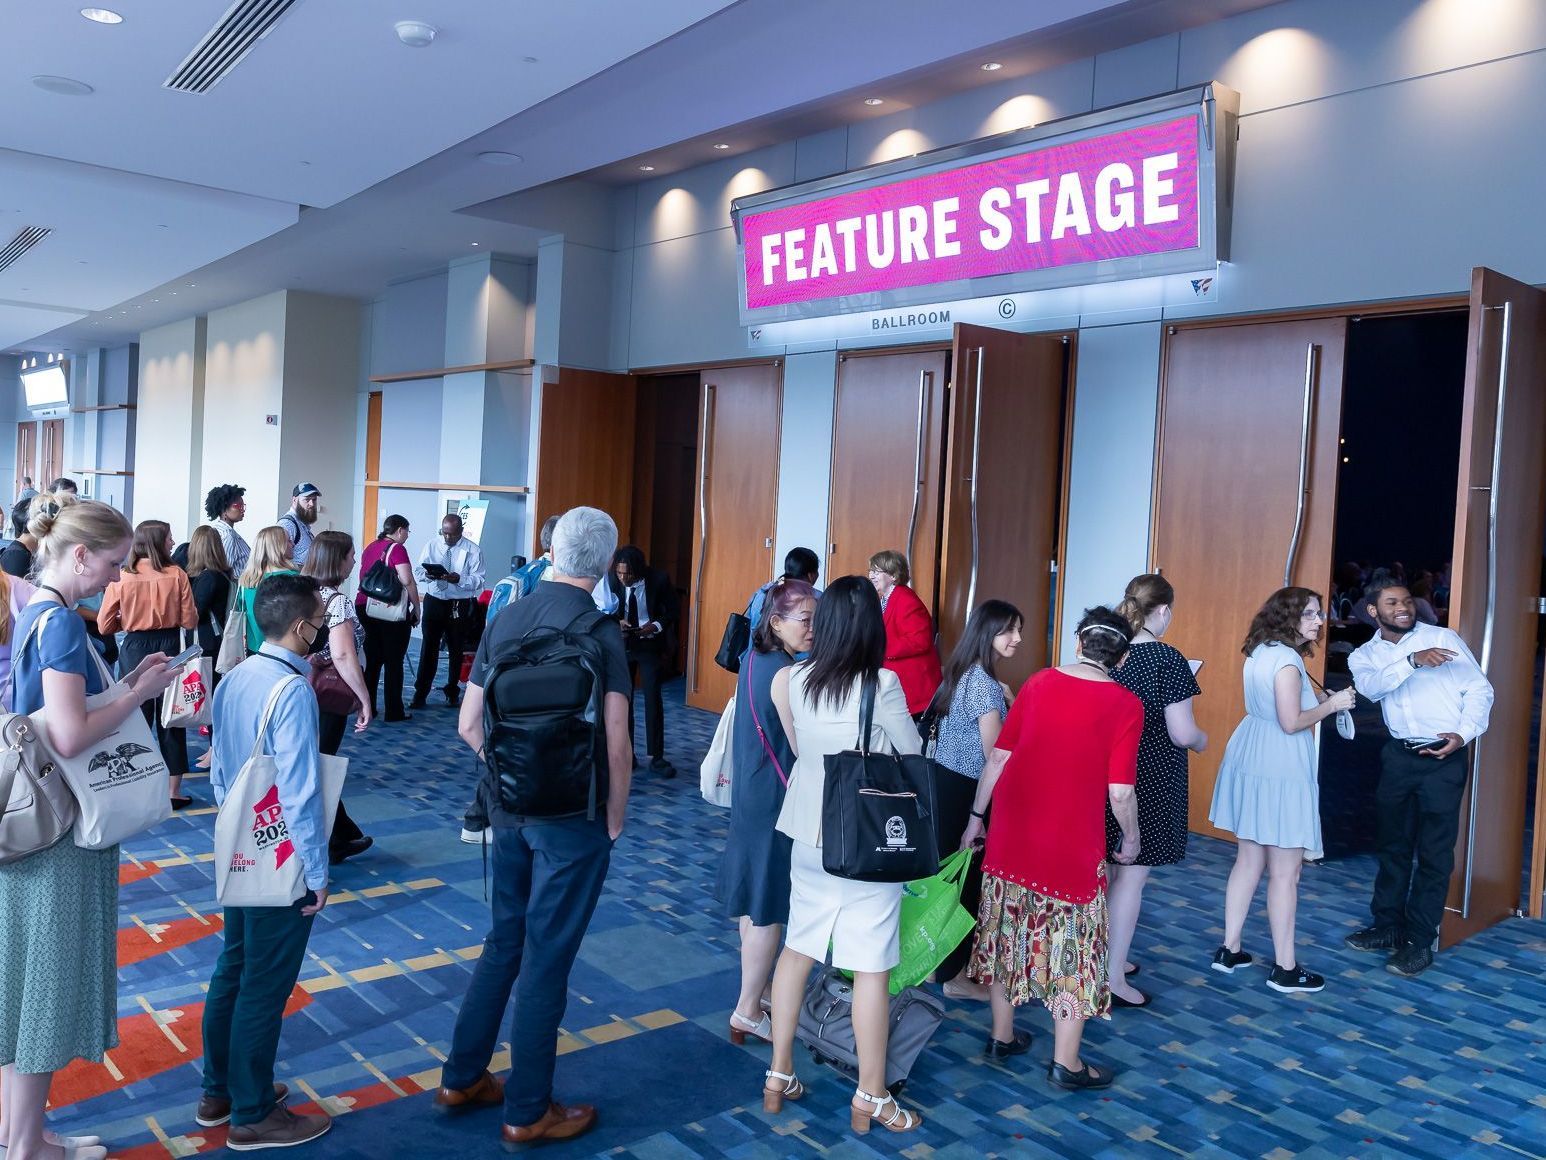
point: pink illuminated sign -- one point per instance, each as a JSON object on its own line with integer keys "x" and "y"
{"x": 1126, "y": 194}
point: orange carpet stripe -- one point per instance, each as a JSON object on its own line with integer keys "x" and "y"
{"x": 136, "y": 944}
{"x": 136, "y": 872}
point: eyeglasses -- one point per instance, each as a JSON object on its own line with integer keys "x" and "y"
{"x": 1308, "y": 614}
{"x": 806, "y": 619}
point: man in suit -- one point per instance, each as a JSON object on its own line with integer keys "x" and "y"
{"x": 643, "y": 600}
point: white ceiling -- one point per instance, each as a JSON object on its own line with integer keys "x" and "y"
{"x": 392, "y": 133}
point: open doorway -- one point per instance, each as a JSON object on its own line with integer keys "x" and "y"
{"x": 1402, "y": 397}
{"x": 665, "y": 483}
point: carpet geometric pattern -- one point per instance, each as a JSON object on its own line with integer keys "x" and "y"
{"x": 1452, "y": 1063}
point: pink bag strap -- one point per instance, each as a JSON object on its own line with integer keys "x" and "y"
{"x": 751, "y": 696}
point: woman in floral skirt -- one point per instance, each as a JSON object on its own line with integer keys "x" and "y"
{"x": 1069, "y": 746}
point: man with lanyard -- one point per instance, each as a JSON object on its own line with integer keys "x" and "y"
{"x": 450, "y": 574}
{"x": 1436, "y": 701}
{"x": 305, "y": 505}
{"x": 265, "y": 946}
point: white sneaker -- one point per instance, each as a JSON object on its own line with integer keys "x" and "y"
{"x": 483, "y": 837}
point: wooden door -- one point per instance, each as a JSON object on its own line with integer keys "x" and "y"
{"x": 26, "y": 457}
{"x": 1003, "y": 484}
{"x": 585, "y": 449}
{"x": 1246, "y": 413}
{"x": 740, "y": 409}
{"x": 1494, "y": 602}
{"x": 372, "y": 466}
{"x": 51, "y": 455}
{"x": 888, "y": 459}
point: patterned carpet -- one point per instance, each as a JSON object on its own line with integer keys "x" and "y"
{"x": 1446, "y": 1065}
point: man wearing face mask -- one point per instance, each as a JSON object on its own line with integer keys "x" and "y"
{"x": 1436, "y": 701}
{"x": 450, "y": 574}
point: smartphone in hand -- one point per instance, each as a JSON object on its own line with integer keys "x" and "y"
{"x": 192, "y": 652}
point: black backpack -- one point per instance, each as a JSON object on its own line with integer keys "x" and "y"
{"x": 544, "y": 735}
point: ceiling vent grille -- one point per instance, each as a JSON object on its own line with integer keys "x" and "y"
{"x": 25, "y": 239}
{"x": 226, "y": 45}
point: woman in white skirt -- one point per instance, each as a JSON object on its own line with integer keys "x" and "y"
{"x": 1266, "y": 793}
{"x": 818, "y": 704}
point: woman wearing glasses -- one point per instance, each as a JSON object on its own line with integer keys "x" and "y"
{"x": 1266, "y": 793}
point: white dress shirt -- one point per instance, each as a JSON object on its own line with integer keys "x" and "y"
{"x": 464, "y": 558}
{"x": 237, "y": 550}
{"x": 609, "y": 602}
{"x": 1421, "y": 703}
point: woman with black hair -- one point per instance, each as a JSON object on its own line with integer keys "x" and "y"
{"x": 1266, "y": 793}
{"x": 226, "y": 507}
{"x": 1069, "y": 747}
{"x": 818, "y": 704}
{"x": 16, "y": 559}
{"x": 969, "y": 711}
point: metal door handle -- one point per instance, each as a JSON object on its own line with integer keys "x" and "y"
{"x": 924, "y": 379}
{"x": 1492, "y": 587}
{"x": 971, "y": 588}
{"x": 1311, "y": 358}
{"x": 703, "y": 523}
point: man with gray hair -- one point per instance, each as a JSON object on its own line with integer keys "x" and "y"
{"x": 549, "y": 870}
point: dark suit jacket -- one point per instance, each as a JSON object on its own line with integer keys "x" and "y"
{"x": 660, "y": 597}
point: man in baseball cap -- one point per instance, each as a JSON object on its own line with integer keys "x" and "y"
{"x": 305, "y": 504}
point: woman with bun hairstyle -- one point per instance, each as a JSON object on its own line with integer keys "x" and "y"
{"x": 1160, "y": 677}
{"x": 59, "y": 906}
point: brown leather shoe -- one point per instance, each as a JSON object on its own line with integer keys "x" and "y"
{"x": 282, "y": 1129}
{"x": 485, "y": 1092}
{"x": 560, "y": 1123}
{"x": 212, "y": 1111}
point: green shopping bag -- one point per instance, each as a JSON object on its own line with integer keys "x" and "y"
{"x": 933, "y": 921}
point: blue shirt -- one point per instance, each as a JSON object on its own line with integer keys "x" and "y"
{"x": 522, "y": 582}
{"x": 240, "y": 699}
{"x": 60, "y": 644}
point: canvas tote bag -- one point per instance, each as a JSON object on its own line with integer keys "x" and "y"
{"x": 233, "y": 636}
{"x": 186, "y": 704}
{"x": 714, "y": 774}
{"x": 120, "y": 783}
{"x": 256, "y": 863}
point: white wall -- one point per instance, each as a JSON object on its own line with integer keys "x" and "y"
{"x": 321, "y": 376}
{"x": 10, "y": 408}
{"x": 167, "y": 482}
{"x": 805, "y": 454}
{"x": 244, "y": 384}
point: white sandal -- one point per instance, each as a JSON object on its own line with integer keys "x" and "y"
{"x": 898, "y": 1119}
{"x": 741, "y": 1027}
{"x": 773, "y": 1098}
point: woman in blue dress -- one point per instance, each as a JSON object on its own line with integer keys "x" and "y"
{"x": 754, "y": 873}
{"x": 59, "y": 906}
{"x": 1266, "y": 792}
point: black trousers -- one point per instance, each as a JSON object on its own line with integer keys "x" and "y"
{"x": 446, "y": 620}
{"x": 1418, "y": 814}
{"x": 649, "y": 665}
{"x": 386, "y": 645}
{"x": 331, "y": 728}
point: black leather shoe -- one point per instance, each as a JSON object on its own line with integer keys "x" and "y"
{"x": 1374, "y": 938}
{"x": 998, "y": 1049}
{"x": 350, "y": 849}
{"x": 1085, "y": 1077}
{"x": 1410, "y": 960}
{"x": 662, "y": 768}
{"x": 1118, "y": 1001}
{"x": 418, "y": 703}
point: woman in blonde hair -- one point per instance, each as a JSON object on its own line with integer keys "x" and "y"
{"x": 1164, "y": 682}
{"x": 59, "y": 906}
{"x": 270, "y": 554}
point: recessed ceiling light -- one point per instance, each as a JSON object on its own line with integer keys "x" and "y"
{"x": 646, "y": 169}
{"x": 873, "y": 101}
{"x": 721, "y": 145}
{"x": 992, "y": 66}
{"x": 477, "y": 243}
{"x": 499, "y": 157}
{"x": 64, "y": 86}
{"x": 102, "y": 15}
{"x": 416, "y": 33}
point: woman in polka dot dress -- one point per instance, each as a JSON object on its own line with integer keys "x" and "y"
{"x": 1163, "y": 681}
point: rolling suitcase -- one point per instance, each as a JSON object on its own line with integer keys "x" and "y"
{"x": 826, "y": 1026}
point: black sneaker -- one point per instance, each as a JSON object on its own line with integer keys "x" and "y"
{"x": 1410, "y": 960}
{"x": 1226, "y": 960}
{"x": 1295, "y": 979}
{"x": 1018, "y": 1045}
{"x": 1374, "y": 938}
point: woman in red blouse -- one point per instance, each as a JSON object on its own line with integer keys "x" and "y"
{"x": 910, "y": 650}
{"x": 1069, "y": 746}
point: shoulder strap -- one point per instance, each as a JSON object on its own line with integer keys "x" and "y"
{"x": 751, "y": 697}
{"x": 866, "y": 712}
{"x": 268, "y": 711}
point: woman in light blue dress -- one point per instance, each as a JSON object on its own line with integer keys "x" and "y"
{"x": 1266, "y": 792}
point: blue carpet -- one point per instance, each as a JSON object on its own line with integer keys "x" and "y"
{"x": 1446, "y": 1065}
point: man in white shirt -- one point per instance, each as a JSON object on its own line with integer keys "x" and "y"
{"x": 1436, "y": 701}
{"x": 305, "y": 506}
{"x": 450, "y": 575}
{"x": 226, "y": 508}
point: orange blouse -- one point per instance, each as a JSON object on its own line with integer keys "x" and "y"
{"x": 146, "y": 599}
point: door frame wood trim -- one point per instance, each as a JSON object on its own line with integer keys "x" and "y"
{"x": 1070, "y": 400}
{"x": 700, "y": 367}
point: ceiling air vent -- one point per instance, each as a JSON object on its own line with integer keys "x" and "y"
{"x": 25, "y": 239}
{"x": 226, "y": 45}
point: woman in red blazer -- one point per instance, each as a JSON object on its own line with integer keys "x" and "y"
{"x": 910, "y": 651}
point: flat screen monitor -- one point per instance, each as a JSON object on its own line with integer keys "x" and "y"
{"x": 46, "y": 387}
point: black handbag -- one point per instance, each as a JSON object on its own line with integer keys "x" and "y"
{"x": 381, "y": 582}
{"x": 877, "y": 810}
{"x": 735, "y": 642}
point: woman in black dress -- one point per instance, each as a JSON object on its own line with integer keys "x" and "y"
{"x": 754, "y": 873}
{"x": 1163, "y": 681}
{"x": 210, "y": 574}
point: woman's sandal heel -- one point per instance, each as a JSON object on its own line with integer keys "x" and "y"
{"x": 898, "y": 1119}
{"x": 773, "y": 1098}
{"x": 741, "y": 1027}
